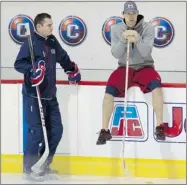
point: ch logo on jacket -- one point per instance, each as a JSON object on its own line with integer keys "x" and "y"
{"x": 53, "y": 51}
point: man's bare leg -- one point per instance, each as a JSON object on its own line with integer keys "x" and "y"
{"x": 107, "y": 109}
{"x": 157, "y": 99}
{"x": 108, "y": 105}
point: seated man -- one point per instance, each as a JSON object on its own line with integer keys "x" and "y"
{"x": 140, "y": 35}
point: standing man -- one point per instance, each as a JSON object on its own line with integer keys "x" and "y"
{"x": 47, "y": 52}
{"x": 140, "y": 35}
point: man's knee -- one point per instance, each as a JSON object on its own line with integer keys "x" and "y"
{"x": 35, "y": 135}
{"x": 154, "y": 84}
{"x": 111, "y": 90}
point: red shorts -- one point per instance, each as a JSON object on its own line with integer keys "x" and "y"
{"x": 141, "y": 78}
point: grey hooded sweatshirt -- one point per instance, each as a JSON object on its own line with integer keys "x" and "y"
{"x": 140, "y": 52}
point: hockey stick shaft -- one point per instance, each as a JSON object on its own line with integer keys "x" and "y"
{"x": 38, "y": 167}
{"x": 125, "y": 108}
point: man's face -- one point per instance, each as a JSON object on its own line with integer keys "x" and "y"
{"x": 46, "y": 28}
{"x": 130, "y": 18}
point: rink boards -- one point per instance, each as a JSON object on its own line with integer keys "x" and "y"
{"x": 81, "y": 108}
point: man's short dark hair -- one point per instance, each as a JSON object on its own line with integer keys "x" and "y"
{"x": 39, "y": 19}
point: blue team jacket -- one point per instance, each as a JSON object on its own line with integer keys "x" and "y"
{"x": 51, "y": 52}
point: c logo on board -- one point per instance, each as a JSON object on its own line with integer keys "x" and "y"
{"x": 72, "y": 30}
{"x": 17, "y": 28}
{"x": 164, "y": 32}
{"x": 107, "y": 25}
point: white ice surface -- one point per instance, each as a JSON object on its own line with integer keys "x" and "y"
{"x": 19, "y": 179}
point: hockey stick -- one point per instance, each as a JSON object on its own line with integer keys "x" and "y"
{"x": 126, "y": 171}
{"x": 39, "y": 166}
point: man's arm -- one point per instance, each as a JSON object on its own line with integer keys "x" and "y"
{"x": 145, "y": 44}
{"x": 63, "y": 58}
{"x": 118, "y": 45}
{"x": 23, "y": 65}
{"x": 23, "y": 62}
{"x": 70, "y": 68}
